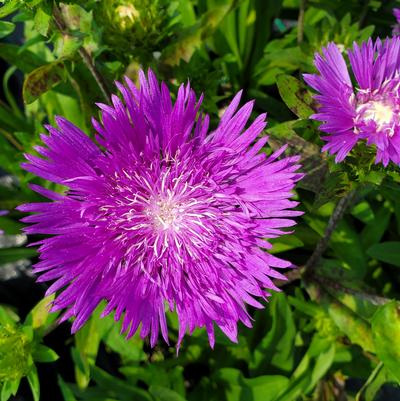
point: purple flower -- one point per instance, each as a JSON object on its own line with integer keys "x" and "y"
{"x": 162, "y": 214}
{"x": 396, "y": 27}
{"x": 368, "y": 111}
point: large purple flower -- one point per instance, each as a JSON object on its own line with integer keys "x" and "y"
{"x": 368, "y": 111}
{"x": 162, "y": 214}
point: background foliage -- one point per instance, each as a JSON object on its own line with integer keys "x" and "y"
{"x": 334, "y": 331}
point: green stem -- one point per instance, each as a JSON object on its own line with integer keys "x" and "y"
{"x": 323, "y": 243}
{"x": 12, "y": 140}
{"x": 300, "y": 22}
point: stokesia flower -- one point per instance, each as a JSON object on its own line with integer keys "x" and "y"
{"x": 396, "y": 27}
{"x": 368, "y": 111}
{"x": 163, "y": 214}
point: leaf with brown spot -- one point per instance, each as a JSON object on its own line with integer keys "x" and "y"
{"x": 296, "y": 96}
{"x": 42, "y": 79}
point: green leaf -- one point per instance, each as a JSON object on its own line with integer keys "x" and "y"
{"x": 192, "y": 37}
{"x": 345, "y": 243}
{"x": 130, "y": 350}
{"x": 67, "y": 45}
{"x": 375, "y": 229}
{"x": 354, "y": 327}
{"x": 76, "y": 17}
{"x": 6, "y": 390}
{"x": 7, "y": 316}
{"x": 165, "y": 394}
{"x": 65, "y": 390}
{"x": 375, "y": 381}
{"x": 42, "y": 21}
{"x": 285, "y": 243}
{"x": 42, "y": 79}
{"x": 40, "y": 317}
{"x": 87, "y": 341}
{"x": 363, "y": 305}
{"x": 278, "y": 343}
{"x": 33, "y": 380}
{"x": 388, "y": 252}
{"x": 8, "y": 255}
{"x": 41, "y": 353}
{"x": 312, "y": 162}
{"x": 108, "y": 382}
{"x": 314, "y": 365}
{"x": 237, "y": 388}
{"x": 9, "y": 7}
{"x": 6, "y": 28}
{"x": 363, "y": 212}
{"x": 386, "y": 336}
{"x": 295, "y": 95}
{"x": 26, "y": 61}
{"x": 10, "y": 226}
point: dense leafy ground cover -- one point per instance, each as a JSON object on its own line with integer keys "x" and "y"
{"x": 333, "y": 332}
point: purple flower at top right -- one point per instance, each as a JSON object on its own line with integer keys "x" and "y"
{"x": 367, "y": 110}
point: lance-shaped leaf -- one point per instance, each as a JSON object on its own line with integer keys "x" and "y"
{"x": 388, "y": 252}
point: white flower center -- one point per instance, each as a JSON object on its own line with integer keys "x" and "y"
{"x": 377, "y": 111}
{"x": 166, "y": 214}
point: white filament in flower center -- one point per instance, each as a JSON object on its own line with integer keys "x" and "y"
{"x": 165, "y": 214}
{"x": 379, "y": 112}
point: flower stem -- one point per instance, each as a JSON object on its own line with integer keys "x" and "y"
{"x": 332, "y": 223}
{"x": 300, "y": 22}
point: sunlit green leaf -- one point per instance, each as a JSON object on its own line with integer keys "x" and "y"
{"x": 354, "y": 327}
{"x": 42, "y": 21}
{"x": 386, "y": 335}
{"x": 9, "y": 7}
{"x": 42, "y": 353}
{"x": 33, "y": 380}
{"x": 40, "y": 317}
